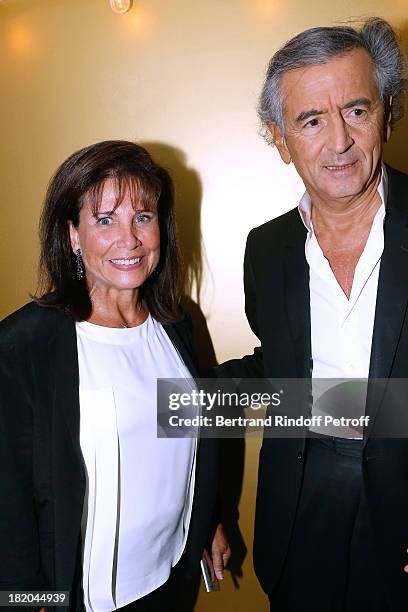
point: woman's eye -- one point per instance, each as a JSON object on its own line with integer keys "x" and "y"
{"x": 105, "y": 221}
{"x": 143, "y": 218}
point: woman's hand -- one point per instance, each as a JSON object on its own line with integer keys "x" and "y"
{"x": 220, "y": 552}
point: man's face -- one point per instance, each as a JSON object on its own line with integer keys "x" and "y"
{"x": 334, "y": 126}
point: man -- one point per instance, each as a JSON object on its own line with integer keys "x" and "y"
{"x": 326, "y": 290}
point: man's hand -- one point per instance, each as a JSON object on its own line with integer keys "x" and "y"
{"x": 220, "y": 552}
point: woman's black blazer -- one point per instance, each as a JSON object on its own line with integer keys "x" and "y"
{"x": 42, "y": 473}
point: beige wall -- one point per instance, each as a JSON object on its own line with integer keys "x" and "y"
{"x": 182, "y": 77}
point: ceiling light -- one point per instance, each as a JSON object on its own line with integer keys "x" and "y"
{"x": 120, "y": 6}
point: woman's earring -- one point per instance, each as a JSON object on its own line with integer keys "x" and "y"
{"x": 80, "y": 268}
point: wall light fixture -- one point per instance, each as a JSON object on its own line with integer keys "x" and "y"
{"x": 120, "y": 6}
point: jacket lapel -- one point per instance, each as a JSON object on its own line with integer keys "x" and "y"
{"x": 392, "y": 293}
{"x": 67, "y": 459}
{"x": 297, "y": 294}
{"x": 180, "y": 335}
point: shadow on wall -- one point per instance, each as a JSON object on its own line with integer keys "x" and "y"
{"x": 188, "y": 195}
{"x": 395, "y": 152}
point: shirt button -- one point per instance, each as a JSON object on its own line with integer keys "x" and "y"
{"x": 300, "y": 456}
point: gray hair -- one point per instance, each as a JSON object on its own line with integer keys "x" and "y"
{"x": 320, "y": 45}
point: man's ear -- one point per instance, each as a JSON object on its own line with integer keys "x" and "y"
{"x": 73, "y": 236}
{"x": 388, "y": 119}
{"x": 279, "y": 141}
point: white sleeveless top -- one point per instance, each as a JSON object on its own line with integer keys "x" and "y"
{"x": 139, "y": 488}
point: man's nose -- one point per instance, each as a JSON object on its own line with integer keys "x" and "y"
{"x": 128, "y": 237}
{"x": 340, "y": 139}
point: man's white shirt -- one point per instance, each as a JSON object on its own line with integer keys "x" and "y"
{"x": 342, "y": 328}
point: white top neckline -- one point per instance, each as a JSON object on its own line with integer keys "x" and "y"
{"x": 116, "y": 335}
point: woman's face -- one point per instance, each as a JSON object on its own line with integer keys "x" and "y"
{"x": 120, "y": 248}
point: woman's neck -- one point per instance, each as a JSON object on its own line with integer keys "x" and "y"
{"x": 117, "y": 308}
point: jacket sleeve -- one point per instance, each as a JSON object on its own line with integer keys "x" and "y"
{"x": 249, "y": 366}
{"x": 20, "y": 563}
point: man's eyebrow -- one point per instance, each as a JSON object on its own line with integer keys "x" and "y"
{"x": 358, "y": 102}
{"x": 313, "y": 112}
{"x": 306, "y": 114}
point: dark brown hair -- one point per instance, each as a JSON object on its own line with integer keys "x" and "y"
{"x": 82, "y": 176}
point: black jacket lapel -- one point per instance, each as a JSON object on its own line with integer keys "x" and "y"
{"x": 68, "y": 470}
{"x": 392, "y": 294}
{"x": 297, "y": 294}
{"x": 181, "y": 337}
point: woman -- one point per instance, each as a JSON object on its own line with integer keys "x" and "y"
{"x": 91, "y": 501}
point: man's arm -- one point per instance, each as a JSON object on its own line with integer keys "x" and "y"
{"x": 249, "y": 366}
